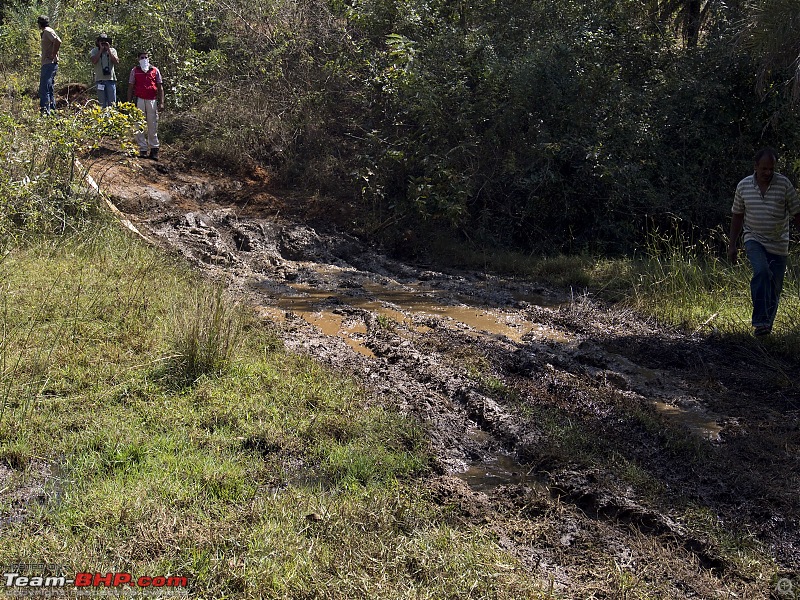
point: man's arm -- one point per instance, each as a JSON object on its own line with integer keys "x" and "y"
{"x": 56, "y": 46}
{"x": 793, "y": 205}
{"x": 737, "y": 223}
{"x": 160, "y": 88}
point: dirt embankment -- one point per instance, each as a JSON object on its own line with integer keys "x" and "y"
{"x": 615, "y": 458}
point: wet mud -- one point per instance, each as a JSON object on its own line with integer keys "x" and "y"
{"x": 612, "y": 456}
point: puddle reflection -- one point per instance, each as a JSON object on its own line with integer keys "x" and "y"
{"x": 406, "y": 307}
{"x": 498, "y": 469}
{"x": 696, "y": 421}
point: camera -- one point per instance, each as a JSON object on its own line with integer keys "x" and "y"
{"x": 106, "y": 70}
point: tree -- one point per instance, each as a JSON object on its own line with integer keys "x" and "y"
{"x": 772, "y": 35}
{"x": 685, "y": 16}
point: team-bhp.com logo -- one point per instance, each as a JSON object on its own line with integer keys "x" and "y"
{"x": 31, "y": 578}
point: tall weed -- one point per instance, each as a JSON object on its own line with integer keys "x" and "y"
{"x": 206, "y": 333}
{"x": 685, "y": 281}
{"x": 26, "y": 349}
{"x": 681, "y": 280}
{"x": 71, "y": 308}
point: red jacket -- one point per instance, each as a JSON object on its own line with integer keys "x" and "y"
{"x": 145, "y": 85}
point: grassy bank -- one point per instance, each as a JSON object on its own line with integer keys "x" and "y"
{"x": 254, "y": 473}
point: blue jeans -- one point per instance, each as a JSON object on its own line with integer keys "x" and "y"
{"x": 47, "y": 96}
{"x": 766, "y": 284}
{"x": 108, "y": 95}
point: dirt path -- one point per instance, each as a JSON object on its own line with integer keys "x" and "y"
{"x": 615, "y": 458}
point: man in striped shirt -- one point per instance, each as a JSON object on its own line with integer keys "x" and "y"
{"x": 764, "y": 204}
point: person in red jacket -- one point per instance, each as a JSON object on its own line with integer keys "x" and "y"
{"x": 145, "y": 83}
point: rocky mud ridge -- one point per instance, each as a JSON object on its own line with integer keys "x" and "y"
{"x": 612, "y": 456}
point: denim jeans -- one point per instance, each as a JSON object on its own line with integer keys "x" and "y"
{"x": 766, "y": 284}
{"x": 108, "y": 95}
{"x": 47, "y": 97}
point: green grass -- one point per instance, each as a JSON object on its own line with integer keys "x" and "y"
{"x": 258, "y": 475}
{"x": 686, "y": 283}
{"x": 740, "y": 549}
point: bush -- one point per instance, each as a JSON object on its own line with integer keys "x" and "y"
{"x": 544, "y": 126}
{"x": 41, "y": 186}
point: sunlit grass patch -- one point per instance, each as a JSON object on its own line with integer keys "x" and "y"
{"x": 685, "y": 282}
{"x": 377, "y": 542}
{"x": 740, "y": 549}
{"x": 370, "y": 458}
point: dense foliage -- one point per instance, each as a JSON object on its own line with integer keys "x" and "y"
{"x": 541, "y": 125}
{"x": 42, "y": 185}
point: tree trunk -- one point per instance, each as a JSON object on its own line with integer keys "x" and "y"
{"x": 692, "y": 22}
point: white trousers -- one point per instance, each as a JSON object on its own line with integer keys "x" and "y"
{"x": 148, "y": 139}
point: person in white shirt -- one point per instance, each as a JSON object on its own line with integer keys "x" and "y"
{"x": 763, "y": 206}
{"x": 104, "y": 58}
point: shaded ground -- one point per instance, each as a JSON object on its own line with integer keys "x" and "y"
{"x": 614, "y": 457}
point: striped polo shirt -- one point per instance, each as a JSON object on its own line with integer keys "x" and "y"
{"x": 766, "y": 218}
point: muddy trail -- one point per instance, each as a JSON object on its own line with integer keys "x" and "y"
{"x": 613, "y": 457}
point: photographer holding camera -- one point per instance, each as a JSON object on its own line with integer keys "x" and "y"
{"x": 104, "y": 58}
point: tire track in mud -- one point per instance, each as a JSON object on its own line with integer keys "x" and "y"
{"x": 502, "y": 373}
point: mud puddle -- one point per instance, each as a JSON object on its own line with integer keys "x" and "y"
{"x": 694, "y": 419}
{"x": 409, "y": 308}
{"x": 496, "y": 468}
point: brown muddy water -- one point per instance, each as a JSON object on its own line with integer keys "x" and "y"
{"x": 408, "y": 307}
{"x": 497, "y": 468}
{"x": 701, "y": 423}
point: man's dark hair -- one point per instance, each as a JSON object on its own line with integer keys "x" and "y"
{"x": 766, "y": 152}
{"x": 43, "y": 21}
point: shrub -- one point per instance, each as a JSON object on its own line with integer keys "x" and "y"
{"x": 206, "y": 330}
{"x": 42, "y": 186}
